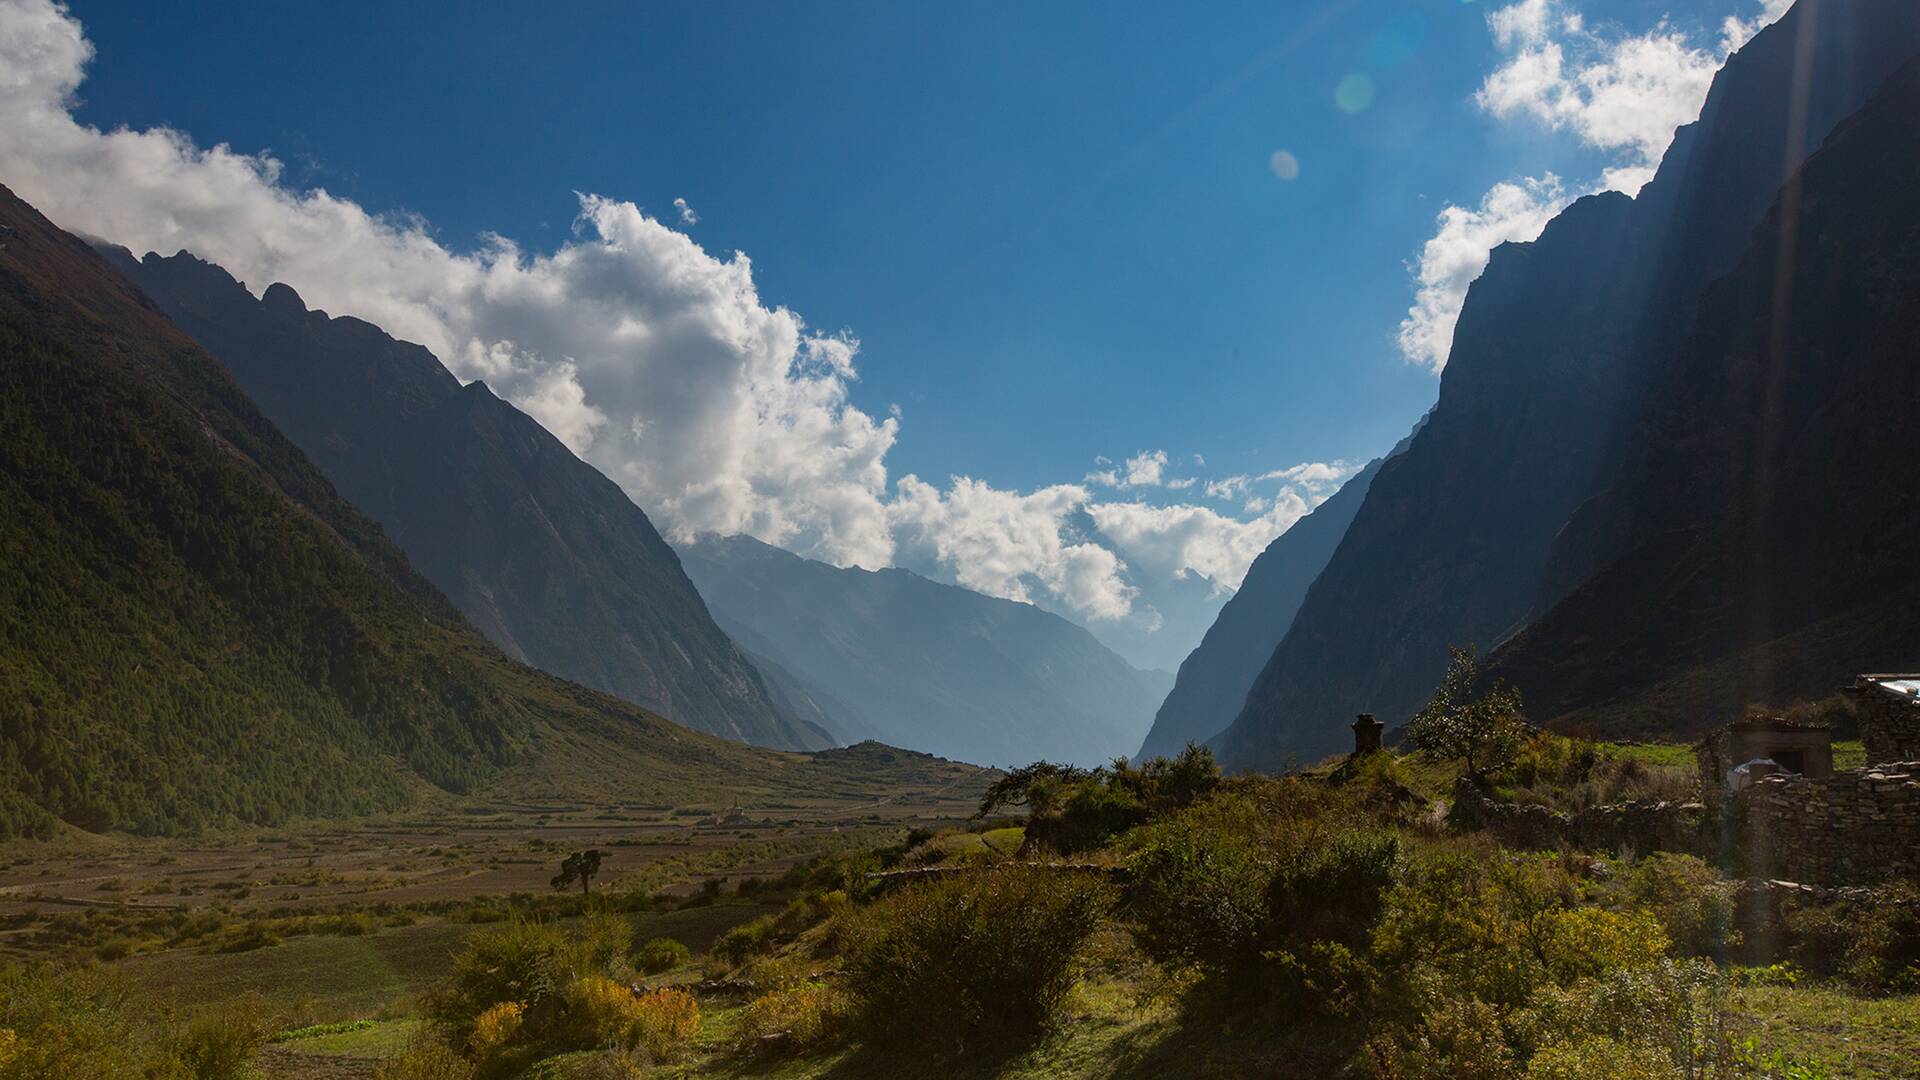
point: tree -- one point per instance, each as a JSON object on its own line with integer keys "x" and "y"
{"x": 1032, "y": 786}
{"x": 579, "y": 866}
{"x": 1484, "y": 732}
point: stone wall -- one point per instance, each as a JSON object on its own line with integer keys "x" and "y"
{"x": 1854, "y": 827}
{"x": 1640, "y": 826}
{"x": 1889, "y": 725}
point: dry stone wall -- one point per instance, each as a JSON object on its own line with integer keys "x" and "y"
{"x": 1856, "y": 827}
{"x": 1636, "y": 826}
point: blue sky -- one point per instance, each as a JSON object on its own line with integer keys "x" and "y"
{"x": 1056, "y": 229}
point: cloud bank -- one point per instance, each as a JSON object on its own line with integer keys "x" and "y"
{"x": 651, "y": 357}
{"x": 1621, "y": 93}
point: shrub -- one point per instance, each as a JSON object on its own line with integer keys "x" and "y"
{"x": 600, "y": 1012}
{"x": 425, "y": 1060}
{"x": 515, "y": 961}
{"x": 496, "y": 1028}
{"x": 660, "y": 954}
{"x": 1582, "y": 942}
{"x": 993, "y": 951}
{"x": 666, "y": 1022}
{"x": 1200, "y": 883}
{"x": 796, "y": 1018}
{"x": 1084, "y": 815}
{"x": 524, "y": 962}
{"x": 1685, "y": 894}
{"x": 603, "y": 1013}
{"x": 1463, "y": 1038}
{"x": 1596, "y": 1057}
{"x": 744, "y": 940}
{"x": 1335, "y": 890}
{"x": 1678, "y": 1008}
{"x": 219, "y": 1042}
{"x": 1872, "y": 944}
{"x": 1459, "y": 925}
{"x": 253, "y": 935}
{"x": 64, "y": 1022}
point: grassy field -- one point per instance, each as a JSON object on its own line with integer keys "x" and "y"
{"x": 342, "y": 930}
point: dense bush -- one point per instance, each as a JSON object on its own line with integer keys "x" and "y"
{"x": 1200, "y": 882}
{"x": 57, "y": 1023}
{"x": 659, "y": 955}
{"x": 1694, "y": 906}
{"x": 986, "y": 953}
{"x": 218, "y": 1042}
{"x": 794, "y": 1018}
{"x": 425, "y": 1060}
{"x": 1071, "y": 810}
{"x": 744, "y": 940}
{"x": 1871, "y": 943}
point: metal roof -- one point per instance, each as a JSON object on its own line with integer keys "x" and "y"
{"x": 1906, "y": 686}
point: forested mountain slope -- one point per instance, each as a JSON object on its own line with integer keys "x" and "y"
{"x": 196, "y": 629}
{"x": 546, "y": 556}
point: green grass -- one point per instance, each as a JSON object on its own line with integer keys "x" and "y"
{"x": 1849, "y": 754}
{"x": 328, "y": 978}
{"x": 1004, "y": 841}
{"x": 1835, "y": 1034}
{"x": 1674, "y": 755}
{"x": 374, "y": 1040}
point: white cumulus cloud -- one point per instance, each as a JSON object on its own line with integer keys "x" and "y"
{"x": 652, "y": 357}
{"x": 1457, "y": 253}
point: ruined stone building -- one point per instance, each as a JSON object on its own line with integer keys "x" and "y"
{"x": 1789, "y": 814}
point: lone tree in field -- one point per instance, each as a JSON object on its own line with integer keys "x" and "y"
{"x": 1484, "y": 732}
{"x": 579, "y": 866}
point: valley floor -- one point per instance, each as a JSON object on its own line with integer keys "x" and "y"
{"x": 338, "y": 933}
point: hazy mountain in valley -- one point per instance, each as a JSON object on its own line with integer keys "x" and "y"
{"x": 928, "y": 666}
{"x": 1214, "y": 678}
{"x": 544, "y": 554}
{"x": 1557, "y": 341}
{"x": 1759, "y": 544}
{"x": 1170, "y": 616}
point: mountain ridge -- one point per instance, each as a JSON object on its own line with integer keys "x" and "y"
{"x": 1551, "y": 355}
{"x": 927, "y": 665}
{"x": 545, "y": 555}
{"x": 1764, "y": 530}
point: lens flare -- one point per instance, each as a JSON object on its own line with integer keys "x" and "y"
{"x": 1354, "y": 93}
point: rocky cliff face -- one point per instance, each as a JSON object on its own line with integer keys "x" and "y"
{"x": 1555, "y": 348}
{"x": 545, "y": 555}
{"x": 928, "y": 666}
{"x": 1214, "y": 678}
{"x": 1759, "y": 542}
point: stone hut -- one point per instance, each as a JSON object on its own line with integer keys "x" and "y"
{"x": 1803, "y": 821}
{"x": 1798, "y": 748}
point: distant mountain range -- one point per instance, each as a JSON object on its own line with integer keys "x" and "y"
{"x": 1571, "y": 353}
{"x": 546, "y": 556}
{"x": 196, "y": 629}
{"x": 891, "y": 655}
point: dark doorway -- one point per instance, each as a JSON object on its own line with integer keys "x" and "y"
{"x": 1791, "y": 760}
